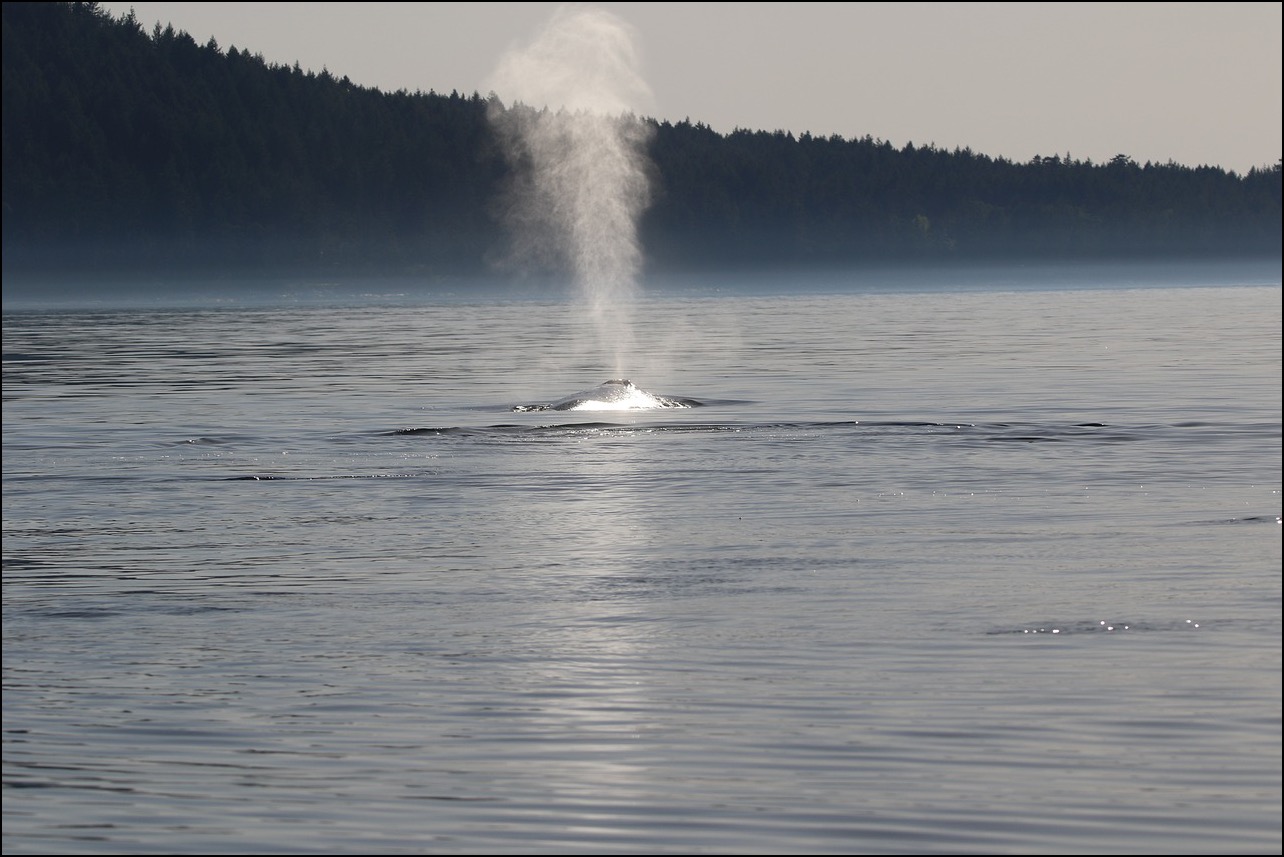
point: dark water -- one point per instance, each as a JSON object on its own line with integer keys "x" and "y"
{"x": 939, "y": 567}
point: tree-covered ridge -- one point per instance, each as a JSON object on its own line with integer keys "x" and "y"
{"x": 841, "y": 199}
{"x": 146, "y": 150}
{"x": 150, "y": 146}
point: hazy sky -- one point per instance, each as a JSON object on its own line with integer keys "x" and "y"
{"x": 1195, "y": 83}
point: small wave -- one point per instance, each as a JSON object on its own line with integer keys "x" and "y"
{"x": 667, "y": 421}
{"x": 562, "y": 428}
{"x": 1251, "y": 519}
{"x": 205, "y": 440}
{"x": 273, "y": 477}
{"x": 135, "y": 607}
{"x": 984, "y": 432}
{"x": 1099, "y": 626}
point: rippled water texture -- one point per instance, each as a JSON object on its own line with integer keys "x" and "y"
{"x": 938, "y": 567}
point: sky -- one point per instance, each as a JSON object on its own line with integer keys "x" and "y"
{"x": 1193, "y": 83}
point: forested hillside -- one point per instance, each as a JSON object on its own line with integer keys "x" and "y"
{"x": 128, "y": 150}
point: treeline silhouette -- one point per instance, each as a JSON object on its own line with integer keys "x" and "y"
{"x": 127, "y": 150}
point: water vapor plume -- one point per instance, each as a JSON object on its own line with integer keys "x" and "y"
{"x": 577, "y": 149}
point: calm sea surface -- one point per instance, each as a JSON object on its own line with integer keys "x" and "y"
{"x": 984, "y": 564}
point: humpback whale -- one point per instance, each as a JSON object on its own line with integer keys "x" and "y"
{"x": 614, "y": 395}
